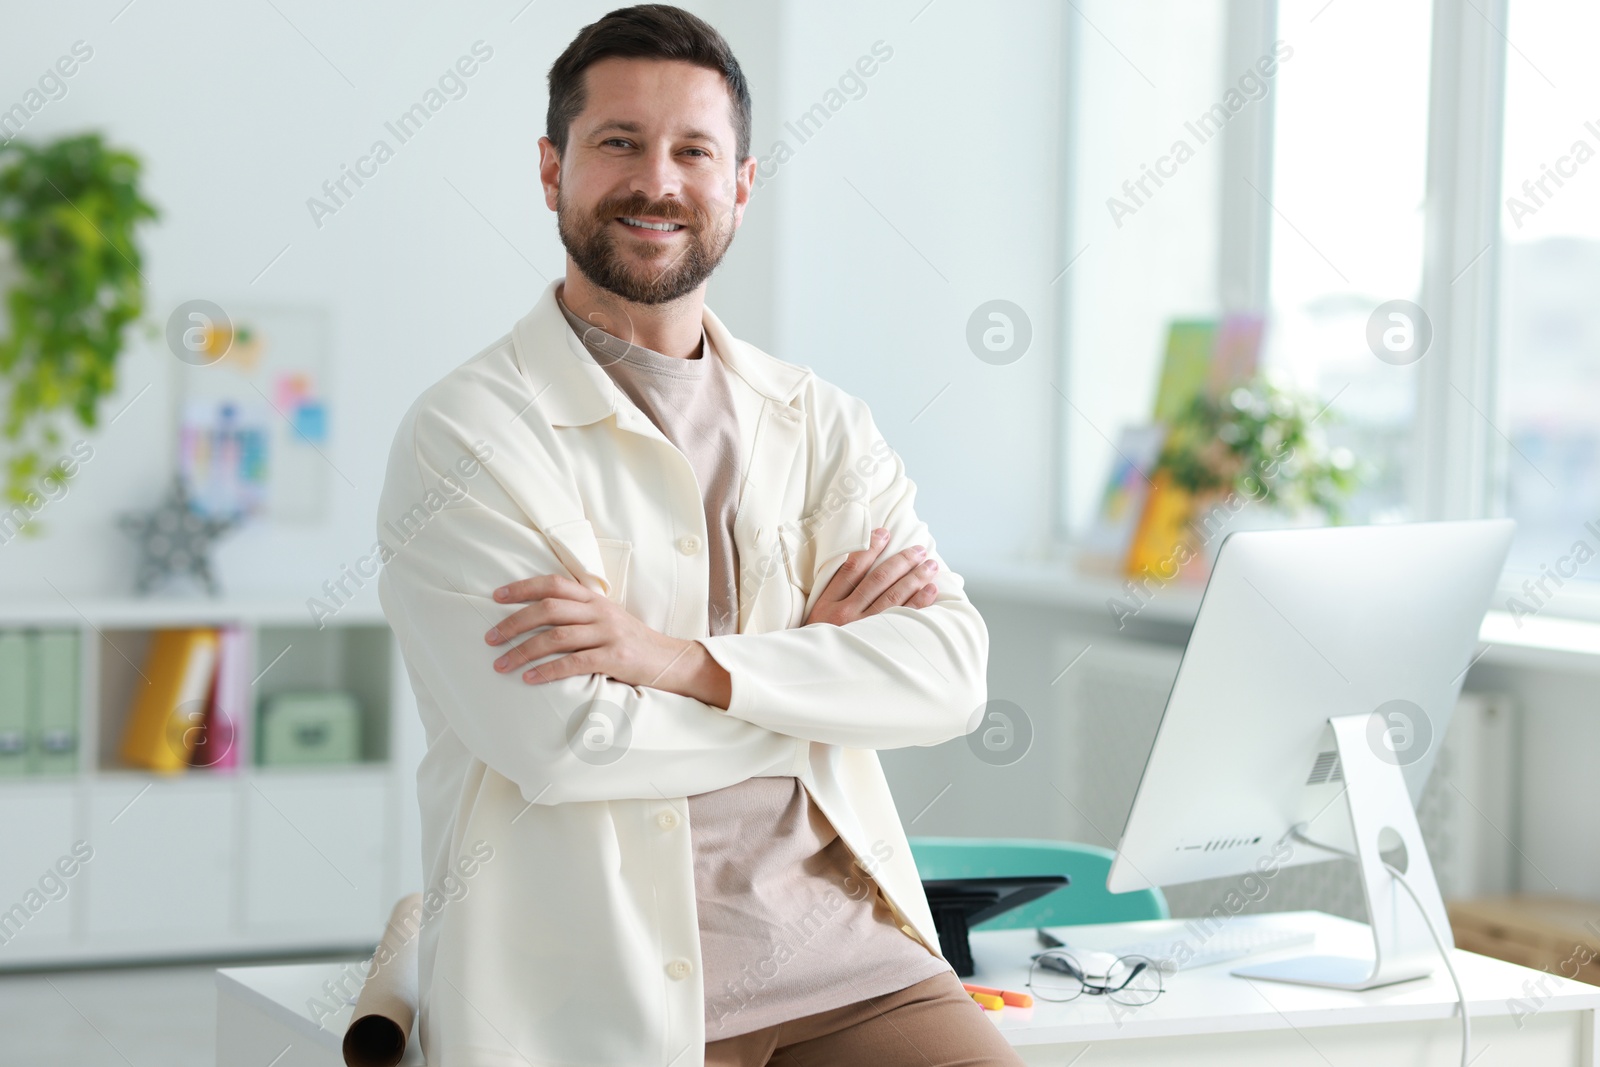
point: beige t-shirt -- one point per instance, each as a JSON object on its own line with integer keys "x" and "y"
{"x": 790, "y": 924}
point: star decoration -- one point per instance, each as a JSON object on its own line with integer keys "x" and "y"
{"x": 174, "y": 539}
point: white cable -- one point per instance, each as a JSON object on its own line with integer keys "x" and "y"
{"x": 1444, "y": 952}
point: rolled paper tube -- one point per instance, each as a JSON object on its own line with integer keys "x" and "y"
{"x": 387, "y": 1006}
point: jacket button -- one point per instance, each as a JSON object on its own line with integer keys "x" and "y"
{"x": 667, "y": 820}
{"x": 679, "y": 969}
{"x": 689, "y": 545}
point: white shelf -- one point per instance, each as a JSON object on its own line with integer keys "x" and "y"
{"x": 1057, "y": 584}
{"x": 159, "y": 612}
{"x": 1542, "y": 640}
{"x": 136, "y": 777}
{"x": 213, "y": 862}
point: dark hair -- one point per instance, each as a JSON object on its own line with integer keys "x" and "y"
{"x": 645, "y": 31}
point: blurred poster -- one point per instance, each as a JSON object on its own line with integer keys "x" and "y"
{"x": 253, "y": 428}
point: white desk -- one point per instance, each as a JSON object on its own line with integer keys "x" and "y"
{"x": 1206, "y": 1016}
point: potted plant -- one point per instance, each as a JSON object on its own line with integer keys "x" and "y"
{"x": 1256, "y": 448}
{"x": 1253, "y": 456}
{"x": 69, "y": 210}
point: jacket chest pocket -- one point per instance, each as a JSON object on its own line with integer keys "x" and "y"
{"x": 814, "y": 548}
{"x": 615, "y": 555}
{"x": 793, "y": 576}
{"x": 598, "y": 563}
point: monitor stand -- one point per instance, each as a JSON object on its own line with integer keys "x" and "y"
{"x": 1378, "y": 801}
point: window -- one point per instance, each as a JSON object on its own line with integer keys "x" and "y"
{"x": 1350, "y": 145}
{"x": 1504, "y": 416}
{"x": 1161, "y": 62}
{"x": 1549, "y": 300}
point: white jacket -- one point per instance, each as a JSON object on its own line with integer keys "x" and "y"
{"x": 576, "y": 942}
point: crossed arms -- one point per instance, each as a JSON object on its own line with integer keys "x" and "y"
{"x": 900, "y": 662}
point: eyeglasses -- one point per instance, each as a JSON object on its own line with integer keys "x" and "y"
{"x": 1132, "y": 981}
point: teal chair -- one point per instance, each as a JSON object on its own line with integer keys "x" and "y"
{"x": 1085, "y": 900}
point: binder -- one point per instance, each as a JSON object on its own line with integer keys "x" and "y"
{"x": 16, "y": 683}
{"x": 53, "y": 725}
{"x": 217, "y": 745}
{"x": 170, "y": 700}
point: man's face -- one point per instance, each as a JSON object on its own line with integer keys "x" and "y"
{"x": 648, "y": 193}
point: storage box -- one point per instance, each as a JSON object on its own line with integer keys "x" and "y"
{"x": 305, "y": 729}
{"x": 1558, "y": 934}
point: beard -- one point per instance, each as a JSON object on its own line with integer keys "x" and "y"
{"x": 592, "y": 244}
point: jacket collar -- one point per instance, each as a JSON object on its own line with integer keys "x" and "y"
{"x": 572, "y": 390}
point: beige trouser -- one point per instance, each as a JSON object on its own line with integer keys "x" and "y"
{"x": 932, "y": 1023}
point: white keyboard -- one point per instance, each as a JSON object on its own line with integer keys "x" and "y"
{"x": 1221, "y": 946}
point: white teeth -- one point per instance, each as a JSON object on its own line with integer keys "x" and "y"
{"x": 667, "y": 226}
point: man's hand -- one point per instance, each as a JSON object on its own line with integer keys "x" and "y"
{"x": 600, "y": 636}
{"x": 858, "y": 590}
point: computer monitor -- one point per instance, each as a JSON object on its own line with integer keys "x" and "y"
{"x": 1310, "y": 703}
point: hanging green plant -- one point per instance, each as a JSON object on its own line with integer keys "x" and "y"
{"x": 68, "y": 212}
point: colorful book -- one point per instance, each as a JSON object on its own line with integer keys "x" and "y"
{"x": 1203, "y": 358}
{"x": 1207, "y": 357}
{"x": 170, "y": 700}
{"x": 1106, "y": 543}
{"x": 1237, "y": 354}
{"x": 1163, "y": 546}
{"x": 1186, "y": 369}
{"x": 217, "y": 744}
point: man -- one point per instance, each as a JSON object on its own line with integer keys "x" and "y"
{"x": 661, "y": 596}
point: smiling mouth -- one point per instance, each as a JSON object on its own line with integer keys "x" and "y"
{"x": 643, "y": 224}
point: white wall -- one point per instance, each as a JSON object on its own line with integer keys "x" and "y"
{"x": 937, "y": 190}
{"x": 239, "y": 120}
{"x": 240, "y": 116}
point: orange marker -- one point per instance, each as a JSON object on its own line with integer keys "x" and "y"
{"x": 1016, "y": 1000}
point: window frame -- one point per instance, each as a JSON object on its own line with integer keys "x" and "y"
{"x": 1459, "y": 457}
